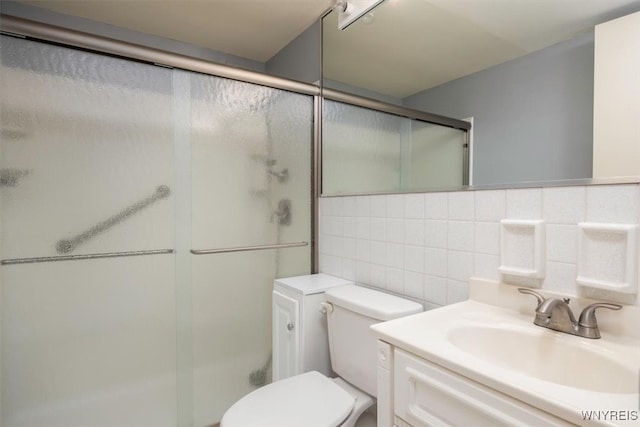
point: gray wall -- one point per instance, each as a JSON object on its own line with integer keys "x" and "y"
{"x": 301, "y": 59}
{"x": 533, "y": 116}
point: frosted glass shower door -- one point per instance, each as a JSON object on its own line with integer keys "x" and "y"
{"x": 251, "y": 182}
{"x": 88, "y": 335}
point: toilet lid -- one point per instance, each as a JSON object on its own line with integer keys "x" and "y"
{"x": 306, "y": 400}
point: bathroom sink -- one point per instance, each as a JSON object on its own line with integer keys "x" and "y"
{"x": 547, "y": 356}
{"x": 490, "y": 340}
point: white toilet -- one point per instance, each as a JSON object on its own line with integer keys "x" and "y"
{"x": 312, "y": 399}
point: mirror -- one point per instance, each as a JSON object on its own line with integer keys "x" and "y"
{"x": 522, "y": 70}
{"x": 365, "y": 151}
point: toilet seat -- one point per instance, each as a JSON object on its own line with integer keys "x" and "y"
{"x": 305, "y": 400}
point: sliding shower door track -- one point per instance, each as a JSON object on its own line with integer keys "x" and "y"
{"x": 85, "y": 256}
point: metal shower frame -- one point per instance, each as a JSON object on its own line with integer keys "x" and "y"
{"x": 28, "y": 29}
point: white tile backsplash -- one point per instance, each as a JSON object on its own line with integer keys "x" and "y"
{"x": 612, "y": 203}
{"x": 562, "y": 243}
{"x": 460, "y": 235}
{"x": 363, "y": 227}
{"x": 457, "y": 291}
{"x": 461, "y": 206}
{"x": 435, "y": 290}
{"x": 363, "y": 206}
{"x": 414, "y": 232}
{"x": 363, "y": 272}
{"x": 490, "y": 205}
{"x": 564, "y": 205}
{"x": 395, "y": 230}
{"x": 414, "y": 258}
{"x": 436, "y": 205}
{"x": 378, "y": 206}
{"x": 337, "y": 206}
{"x": 459, "y": 265}
{"x": 435, "y": 262}
{"x": 524, "y": 203}
{"x": 349, "y": 226}
{"x": 395, "y": 280}
{"x": 435, "y": 233}
{"x": 395, "y": 255}
{"x": 395, "y": 206}
{"x": 349, "y": 248}
{"x": 379, "y": 253}
{"x": 378, "y": 276}
{"x": 378, "y": 229}
{"x": 414, "y": 206}
{"x": 414, "y": 284}
{"x": 363, "y": 250}
{"x": 487, "y": 238}
{"x": 486, "y": 266}
{"x": 426, "y": 246}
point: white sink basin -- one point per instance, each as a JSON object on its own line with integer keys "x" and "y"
{"x": 565, "y": 360}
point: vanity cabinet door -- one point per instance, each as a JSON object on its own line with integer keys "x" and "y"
{"x": 286, "y": 336}
{"x": 428, "y": 395}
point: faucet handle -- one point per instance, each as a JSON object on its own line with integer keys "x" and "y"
{"x": 588, "y": 315}
{"x": 538, "y": 296}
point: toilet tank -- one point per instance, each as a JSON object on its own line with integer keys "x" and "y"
{"x": 351, "y": 345}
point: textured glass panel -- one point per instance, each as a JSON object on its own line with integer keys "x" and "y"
{"x": 360, "y": 150}
{"x": 251, "y": 182}
{"x": 251, "y": 177}
{"x": 79, "y": 145}
{"x": 89, "y": 138}
{"x": 89, "y": 343}
{"x": 436, "y": 159}
{"x": 232, "y": 325}
{"x": 86, "y": 142}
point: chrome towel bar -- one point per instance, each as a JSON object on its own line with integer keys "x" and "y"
{"x": 84, "y": 256}
{"x": 248, "y": 248}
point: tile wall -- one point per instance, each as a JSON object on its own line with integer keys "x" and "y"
{"x": 427, "y": 245}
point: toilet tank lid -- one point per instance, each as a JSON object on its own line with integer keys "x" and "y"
{"x": 368, "y": 302}
{"x": 310, "y": 284}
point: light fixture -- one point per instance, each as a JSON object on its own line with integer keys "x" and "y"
{"x": 350, "y": 11}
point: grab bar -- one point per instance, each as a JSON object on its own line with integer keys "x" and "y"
{"x": 247, "y": 248}
{"x": 65, "y": 246}
{"x": 84, "y": 256}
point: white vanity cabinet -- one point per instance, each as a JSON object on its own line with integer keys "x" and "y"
{"x": 414, "y": 392}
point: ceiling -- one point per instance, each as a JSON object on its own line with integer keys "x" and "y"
{"x": 413, "y": 45}
{"x": 253, "y": 29}
{"x": 427, "y": 42}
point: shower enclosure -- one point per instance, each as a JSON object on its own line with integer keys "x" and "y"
{"x": 144, "y": 213}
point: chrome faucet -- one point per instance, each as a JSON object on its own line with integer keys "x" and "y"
{"x": 554, "y": 313}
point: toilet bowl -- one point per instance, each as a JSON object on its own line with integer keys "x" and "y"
{"x": 312, "y": 399}
{"x": 306, "y": 400}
